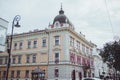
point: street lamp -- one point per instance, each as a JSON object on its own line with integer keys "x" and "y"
{"x": 15, "y": 23}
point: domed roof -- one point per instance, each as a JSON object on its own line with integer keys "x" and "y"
{"x": 61, "y": 18}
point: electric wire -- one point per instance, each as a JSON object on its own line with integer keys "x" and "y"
{"x": 109, "y": 17}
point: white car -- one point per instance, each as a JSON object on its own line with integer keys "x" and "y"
{"x": 91, "y": 79}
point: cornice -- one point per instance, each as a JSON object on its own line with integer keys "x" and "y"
{"x": 81, "y": 37}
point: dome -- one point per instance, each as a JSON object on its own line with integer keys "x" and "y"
{"x": 61, "y": 18}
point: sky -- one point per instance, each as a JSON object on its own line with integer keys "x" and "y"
{"x": 98, "y": 20}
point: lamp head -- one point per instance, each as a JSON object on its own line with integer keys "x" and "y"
{"x": 17, "y": 24}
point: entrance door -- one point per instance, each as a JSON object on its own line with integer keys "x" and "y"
{"x": 80, "y": 75}
{"x": 73, "y": 75}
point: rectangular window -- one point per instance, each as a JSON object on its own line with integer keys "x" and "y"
{"x": 12, "y": 74}
{"x": 0, "y": 74}
{"x": 78, "y": 45}
{"x": 1, "y": 60}
{"x": 78, "y": 59}
{"x": 15, "y": 46}
{"x": 13, "y": 60}
{"x": 71, "y": 41}
{"x": 27, "y": 59}
{"x": 26, "y": 73}
{"x": 72, "y": 57}
{"x": 44, "y": 43}
{"x": 34, "y": 58}
{"x": 56, "y": 40}
{"x": 56, "y": 73}
{"x": 91, "y": 51}
{"x": 83, "y": 48}
{"x": 6, "y": 60}
{"x": 56, "y": 58}
{"x": 4, "y": 74}
{"x": 20, "y": 45}
{"x": 19, "y": 59}
{"x": 18, "y": 74}
{"x": 87, "y": 50}
{"x": 29, "y": 44}
{"x": 34, "y": 44}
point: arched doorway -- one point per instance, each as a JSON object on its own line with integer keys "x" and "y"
{"x": 73, "y": 75}
{"x": 80, "y": 75}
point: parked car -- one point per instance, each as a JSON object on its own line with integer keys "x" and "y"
{"x": 91, "y": 79}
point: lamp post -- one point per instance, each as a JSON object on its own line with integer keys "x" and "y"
{"x": 15, "y": 23}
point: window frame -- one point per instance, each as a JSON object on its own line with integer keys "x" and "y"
{"x": 13, "y": 59}
{"x": 20, "y": 45}
{"x": 44, "y": 42}
{"x": 19, "y": 59}
{"x": 34, "y": 58}
{"x": 57, "y": 40}
{"x": 35, "y": 44}
{"x": 29, "y": 44}
{"x": 56, "y": 72}
{"x": 56, "y": 57}
{"x": 12, "y": 74}
{"x": 27, "y": 73}
{"x": 15, "y": 46}
{"x": 18, "y": 73}
{"x": 27, "y": 58}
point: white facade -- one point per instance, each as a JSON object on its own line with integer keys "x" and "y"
{"x": 99, "y": 65}
{"x": 3, "y": 31}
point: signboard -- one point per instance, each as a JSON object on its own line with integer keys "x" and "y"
{"x": 3, "y": 32}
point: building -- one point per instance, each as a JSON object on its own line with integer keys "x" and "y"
{"x": 59, "y": 51}
{"x": 100, "y": 68}
{"x": 3, "y": 31}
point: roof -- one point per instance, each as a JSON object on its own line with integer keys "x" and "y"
{"x": 61, "y": 18}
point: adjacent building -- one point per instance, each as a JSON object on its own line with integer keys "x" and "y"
{"x": 59, "y": 51}
{"x": 100, "y": 68}
{"x": 3, "y": 31}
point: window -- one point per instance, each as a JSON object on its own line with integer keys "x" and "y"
{"x": 83, "y": 48}
{"x": 18, "y": 73}
{"x": 0, "y": 74}
{"x": 4, "y": 74}
{"x": 91, "y": 51}
{"x": 78, "y": 59}
{"x": 6, "y": 60}
{"x": 19, "y": 59}
{"x": 87, "y": 50}
{"x": 34, "y": 44}
{"x": 56, "y": 40}
{"x": 78, "y": 45}
{"x": 29, "y": 44}
{"x": 34, "y": 58}
{"x": 72, "y": 57}
{"x": 56, "y": 73}
{"x": 1, "y": 60}
{"x": 20, "y": 45}
{"x": 44, "y": 43}
{"x": 12, "y": 74}
{"x": 56, "y": 58}
{"x": 15, "y": 46}
{"x": 71, "y": 41}
{"x": 27, "y": 73}
{"x": 13, "y": 60}
{"x": 27, "y": 59}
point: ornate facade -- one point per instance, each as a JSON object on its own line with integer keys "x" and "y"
{"x": 61, "y": 52}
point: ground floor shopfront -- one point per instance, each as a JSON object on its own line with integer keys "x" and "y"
{"x": 52, "y": 72}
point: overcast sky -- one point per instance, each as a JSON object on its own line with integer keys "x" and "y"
{"x": 88, "y": 16}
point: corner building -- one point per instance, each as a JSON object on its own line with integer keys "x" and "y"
{"x": 59, "y": 51}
